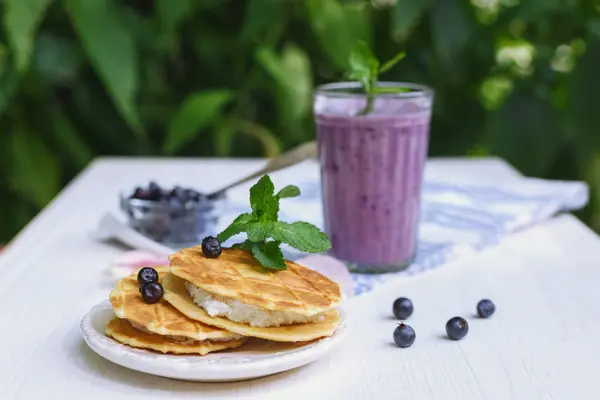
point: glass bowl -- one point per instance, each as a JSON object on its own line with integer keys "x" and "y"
{"x": 174, "y": 222}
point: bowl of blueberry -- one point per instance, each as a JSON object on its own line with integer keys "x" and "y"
{"x": 176, "y": 216}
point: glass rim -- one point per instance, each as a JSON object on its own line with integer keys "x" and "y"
{"x": 337, "y": 90}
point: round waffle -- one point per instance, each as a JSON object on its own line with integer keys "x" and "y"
{"x": 177, "y": 295}
{"x": 160, "y": 318}
{"x": 237, "y": 275}
{"x": 123, "y": 332}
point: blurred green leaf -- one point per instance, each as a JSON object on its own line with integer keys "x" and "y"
{"x": 260, "y": 15}
{"x": 20, "y": 214}
{"x": 585, "y": 101}
{"x": 204, "y": 5}
{"x": 299, "y": 89}
{"x": 106, "y": 129}
{"x": 494, "y": 90}
{"x": 451, "y": 28}
{"x": 57, "y": 59}
{"x": 338, "y": 27}
{"x": 144, "y": 33}
{"x": 194, "y": 114}
{"x": 9, "y": 82}
{"x": 294, "y": 95}
{"x": 35, "y": 170}
{"x": 532, "y": 10}
{"x": 270, "y": 61}
{"x": 405, "y": 15}
{"x": 223, "y": 138}
{"x": 170, "y": 15}
{"x": 111, "y": 50}
{"x": 69, "y": 140}
{"x": 593, "y": 27}
{"x": 267, "y": 139}
{"x": 21, "y": 20}
{"x": 452, "y": 134}
{"x": 525, "y": 132}
{"x": 358, "y": 22}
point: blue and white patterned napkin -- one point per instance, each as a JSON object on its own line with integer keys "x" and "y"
{"x": 456, "y": 218}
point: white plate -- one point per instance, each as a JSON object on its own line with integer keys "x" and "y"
{"x": 254, "y": 359}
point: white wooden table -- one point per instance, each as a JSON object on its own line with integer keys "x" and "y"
{"x": 543, "y": 342}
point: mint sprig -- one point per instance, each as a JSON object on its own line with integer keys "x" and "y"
{"x": 265, "y": 233}
{"x": 365, "y": 68}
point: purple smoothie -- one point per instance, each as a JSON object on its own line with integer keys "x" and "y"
{"x": 372, "y": 171}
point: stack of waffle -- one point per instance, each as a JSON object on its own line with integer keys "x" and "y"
{"x": 213, "y": 304}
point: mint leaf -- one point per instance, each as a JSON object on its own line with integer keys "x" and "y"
{"x": 245, "y": 245}
{"x": 362, "y": 59}
{"x": 391, "y": 62}
{"x": 259, "y": 231}
{"x": 269, "y": 255}
{"x": 359, "y": 68}
{"x": 244, "y": 218}
{"x": 289, "y": 191}
{"x": 264, "y": 203}
{"x": 231, "y": 230}
{"x": 301, "y": 235}
{"x": 238, "y": 225}
{"x": 363, "y": 66}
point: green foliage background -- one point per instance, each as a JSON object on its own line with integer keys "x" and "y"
{"x": 82, "y": 78}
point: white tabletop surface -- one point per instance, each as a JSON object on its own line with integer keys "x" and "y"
{"x": 543, "y": 342}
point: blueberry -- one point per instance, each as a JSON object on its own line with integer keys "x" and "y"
{"x": 404, "y": 335}
{"x": 152, "y": 292}
{"x": 147, "y": 275}
{"x": 485, "y": 308}
{"x": 140, "y": 194}
{"x": 153, "y": 187}
{"x": 154, "y": 196}
{"x": 403, "y": 308}
{"x": 193, "y": 195}
{"x": 178, "y": 193}
{"x": 211, "y": 247}
{"x": 154, "y": 191}
{"x": 457, "y": 328}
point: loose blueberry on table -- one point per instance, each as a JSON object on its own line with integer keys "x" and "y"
{"x": 485, "y": 308}
{"x": 403, "y": 308}
{"x": 152, "y": 292}
{"x": 147, "y": 275}
{"x": 457, "y": 328}
{"x": 211, "y": 247}
{"x": 404, "y": 335}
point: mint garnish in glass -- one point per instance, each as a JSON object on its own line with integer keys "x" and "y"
{"x": 266, "y": 234}
{"x": 365, "y": 68}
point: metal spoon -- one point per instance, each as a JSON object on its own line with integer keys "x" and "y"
{"x": 292, "y": 157}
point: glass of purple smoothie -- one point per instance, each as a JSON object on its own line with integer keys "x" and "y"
{"x": 372, "y": 171}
